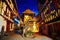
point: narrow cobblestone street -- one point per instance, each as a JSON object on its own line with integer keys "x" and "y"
{"x": 29, "y": 19}
{"x": 14, "y": 36}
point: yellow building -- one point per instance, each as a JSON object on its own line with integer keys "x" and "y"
{"x": 28, "y": 15}
{"x": 29, "y": 21}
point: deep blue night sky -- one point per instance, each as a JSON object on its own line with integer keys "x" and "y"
{"x": 24, "y": 4}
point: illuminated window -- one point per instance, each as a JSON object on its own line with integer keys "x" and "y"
{"x": 9, "y": 14}
{"x": 59, "y": 4}
{"x": 4, "y": 6}
{"x": 0, "y": 10}
{"x": 26, "y": 16}
{"x": 51, "y": 17}
{"x": 45, "y": 20}
{"x": 0, "y": 7}
{"x": 59, "y": 11}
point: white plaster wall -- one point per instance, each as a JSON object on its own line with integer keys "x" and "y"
{"x": 1, "y": 22}
{"x": 5, "y": 25}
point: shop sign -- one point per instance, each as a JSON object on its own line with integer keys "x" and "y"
{"x": 16, "y": 20}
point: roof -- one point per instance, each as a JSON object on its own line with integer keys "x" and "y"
{"x": 28, "y": 11}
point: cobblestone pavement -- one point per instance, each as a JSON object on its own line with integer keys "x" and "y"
{"x": 14, "y": 36}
